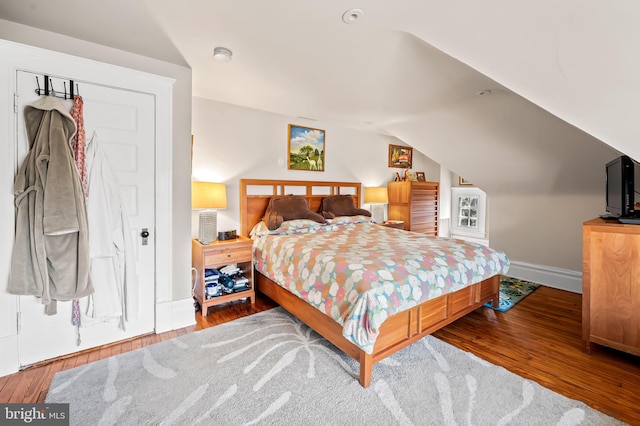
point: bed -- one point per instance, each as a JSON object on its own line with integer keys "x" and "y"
{"x": 400, "y": 326}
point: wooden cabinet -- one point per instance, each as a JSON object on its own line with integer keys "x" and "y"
{"x": 416, "y": 204}
{"x": 611, "y": 285}
{"x": 217, "y": 255}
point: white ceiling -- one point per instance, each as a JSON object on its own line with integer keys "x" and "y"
{"x": 292, "y": 57}
{"x": 577, "y": 59}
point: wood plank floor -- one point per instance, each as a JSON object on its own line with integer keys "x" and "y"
{"x": 540, "y": 339}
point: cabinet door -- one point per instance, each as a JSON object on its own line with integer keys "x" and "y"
{"x": 615, "y": 287}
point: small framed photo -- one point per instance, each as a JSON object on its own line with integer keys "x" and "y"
{"x": 306, "y": 148}
{"x": 420, "y": 177}
{"x": 463, "y": 181}
{"x": 400, "y": 156}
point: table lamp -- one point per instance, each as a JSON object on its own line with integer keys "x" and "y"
{"x": 206, "y": 197}
{"x": 377, "y": 196}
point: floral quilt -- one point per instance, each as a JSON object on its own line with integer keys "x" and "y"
{"x": 360, "y": 273}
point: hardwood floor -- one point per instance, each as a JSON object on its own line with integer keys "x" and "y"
{"x": 540, "y": 339}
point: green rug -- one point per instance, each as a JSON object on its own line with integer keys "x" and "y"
{"x": 513, "y": 290}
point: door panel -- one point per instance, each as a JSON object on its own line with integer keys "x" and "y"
{"x": 123, "y": 122}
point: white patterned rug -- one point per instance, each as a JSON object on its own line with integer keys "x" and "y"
{"x": 268, "y": 368}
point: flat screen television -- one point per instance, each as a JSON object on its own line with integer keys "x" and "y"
{"x": 621, "y": 192}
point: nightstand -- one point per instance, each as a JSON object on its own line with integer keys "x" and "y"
{"x": 215, "y": 256}
{"x": 398, "y": 224}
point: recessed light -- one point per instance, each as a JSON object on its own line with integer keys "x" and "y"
{"x": 352, "y": 15}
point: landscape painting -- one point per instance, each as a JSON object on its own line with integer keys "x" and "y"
{"x": 306, "y": 148}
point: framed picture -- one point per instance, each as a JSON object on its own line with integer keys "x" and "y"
{"x": 400, "y": 156}
{"x": 463, "y": 181}
{"x": 420, "y": 177}
{"x": 306, "y": 148}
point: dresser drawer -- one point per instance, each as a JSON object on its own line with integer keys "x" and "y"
{"x": 226, "y": 256}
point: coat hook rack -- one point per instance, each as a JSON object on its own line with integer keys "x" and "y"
{"x": 50, "y": 91}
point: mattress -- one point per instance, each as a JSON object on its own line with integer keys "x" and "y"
{"x": 359, "y": 273}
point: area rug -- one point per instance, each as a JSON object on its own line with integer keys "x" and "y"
{"x": 269, "y": 368}
{"x": 512, "y": 291}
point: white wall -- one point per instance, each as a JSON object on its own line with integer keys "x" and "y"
{"x": 543, "y": 177}
{"x": 232, "y": 142}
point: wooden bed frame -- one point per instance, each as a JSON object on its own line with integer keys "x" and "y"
{"x": 399, "y": 330}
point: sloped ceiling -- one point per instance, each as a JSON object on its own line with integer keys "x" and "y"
{"x": 576, "y": 59}
{"x": 121, "y": 24}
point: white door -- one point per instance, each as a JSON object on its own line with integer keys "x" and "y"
{"x": 123, "y": 122}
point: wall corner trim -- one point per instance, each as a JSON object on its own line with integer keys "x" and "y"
{"x": 563, "y": 279}
{"x": 174, "y": 315}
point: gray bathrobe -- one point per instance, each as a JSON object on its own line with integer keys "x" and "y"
{"x": 51, "y": 250}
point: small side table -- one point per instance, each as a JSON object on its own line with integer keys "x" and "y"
{"x": 398, "y": 224}
{"x": 219, "y": 254}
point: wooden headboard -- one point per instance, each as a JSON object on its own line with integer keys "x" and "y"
{"x": 256, "y": 193}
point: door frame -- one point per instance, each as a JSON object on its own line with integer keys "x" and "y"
{"x": 15, "y": 57}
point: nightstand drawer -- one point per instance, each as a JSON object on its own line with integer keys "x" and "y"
{"x": 226, "y": 256}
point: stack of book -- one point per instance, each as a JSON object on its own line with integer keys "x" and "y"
{"x": 240, "y": 283}
{"x": 233, "y": 280}
{"x": 211, "y": 283}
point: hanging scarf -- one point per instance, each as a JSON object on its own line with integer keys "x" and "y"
{"x": 79, "y": 156}
{"x": 80, "y": 141}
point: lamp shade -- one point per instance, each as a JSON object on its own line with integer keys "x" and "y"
{"x": 376, "y": 194}
{"x": 208, "y": 195}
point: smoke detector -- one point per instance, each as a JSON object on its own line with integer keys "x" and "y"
{"x": 222, "y": 54}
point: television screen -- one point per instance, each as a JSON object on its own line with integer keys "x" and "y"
{"x": 614, "y": 187}
{"x": 621, "y": 194}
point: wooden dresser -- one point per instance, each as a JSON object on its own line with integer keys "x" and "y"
{"x": 611, "y": 285}
{"x": 416, "y": 204}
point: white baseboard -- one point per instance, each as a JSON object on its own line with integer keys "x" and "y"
{"x": 9, "y": 362}
{"x": 174, "y": 314}
{"x": 563, "y": 279}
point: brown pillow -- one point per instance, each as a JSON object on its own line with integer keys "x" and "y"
{"x": 288, "y": 208}
{"x": 340, "y": 205}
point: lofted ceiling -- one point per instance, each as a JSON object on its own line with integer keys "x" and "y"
{"x": 576, "y": 59}
{"x": 297, "y": 58}
{"x": 386, "y": 72}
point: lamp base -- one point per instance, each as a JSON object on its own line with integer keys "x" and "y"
{"x": 377, "y": 213}
{"x": 208, "y": 226}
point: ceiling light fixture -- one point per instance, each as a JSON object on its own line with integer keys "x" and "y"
{"x": 352, "y": 15}
{"x": 222, "y": 54}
